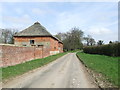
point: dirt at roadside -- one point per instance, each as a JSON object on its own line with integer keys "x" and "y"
{"x": 100, "y": 80}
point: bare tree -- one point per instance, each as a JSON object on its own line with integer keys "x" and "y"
{"x": 0, "y": 35}
{"x": 100, "y": 42}
{"x": 7, "y": 36}
{"x": 92, "y": 41}
{"x": 71, "y": 39}
{"x": 89, "y": 40}
{"x": 76, "y": 35}
{"x": 61, "y": 36}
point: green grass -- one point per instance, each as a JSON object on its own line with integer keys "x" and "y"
{"x": 106, "y": 65}
{"x": 19, "y": 69}
{"x": 0, "y": 74}
{"x": 73, "y": 51}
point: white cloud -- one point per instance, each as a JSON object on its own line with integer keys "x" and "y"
{"x": 99, "y": 31}
{"x": 113, "y": 23}
{"x": 87, "y": 18}
{"x": 102, "y": 33}
{"x": 38, "y": 11}
{"x": 66, "y": 20}
{"x": 16, "y": 22}
{"x": 0, "y": 16}
{"x": 19, "y": 10}
{"x": 25, "y": 19}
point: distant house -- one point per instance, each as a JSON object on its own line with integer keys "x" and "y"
{"x": 37, "y": 36}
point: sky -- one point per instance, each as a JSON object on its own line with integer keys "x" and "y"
{"x": 98, "y": 19}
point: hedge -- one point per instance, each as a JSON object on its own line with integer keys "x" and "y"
{"x": 109, "y": 49}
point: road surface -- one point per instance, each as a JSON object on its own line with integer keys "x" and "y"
{"x": 65, "y": 72}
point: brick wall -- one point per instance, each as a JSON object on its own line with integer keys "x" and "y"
{"x": 12, "y": 55}
{"x": 60, "y": 47}
{"x": 48, "y": 42}
{"x": 22, "y": 41}
{"x": 0, "y": 56}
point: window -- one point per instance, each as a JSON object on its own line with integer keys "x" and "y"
{"x": 40, "y": 45}
{"x": 31, "y": 41}
{"x": 24, "y": 45}
{"x": 33, "y": 45}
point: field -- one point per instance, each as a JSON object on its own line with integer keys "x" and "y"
{"x": 106, "y": 65}
{"x": 19, "y": 69}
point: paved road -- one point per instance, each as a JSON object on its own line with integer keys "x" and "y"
{"x": 65, "y": 72}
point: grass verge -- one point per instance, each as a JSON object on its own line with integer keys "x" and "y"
{"x": 73, "y": 51}
{"x": 106, "y": 65}
{"x": 12, "y": 71}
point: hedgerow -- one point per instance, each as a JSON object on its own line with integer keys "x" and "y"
{"x": 109, "y": 49}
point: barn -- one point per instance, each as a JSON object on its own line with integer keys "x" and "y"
{"x": 37, "y": 36}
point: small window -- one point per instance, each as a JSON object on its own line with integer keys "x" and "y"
{"x": 40, "y": 45}
{"x": 33, "y": 45}
{"x": 31, "y": 41}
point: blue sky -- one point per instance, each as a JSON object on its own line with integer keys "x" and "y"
{"x": 98, "y": 19}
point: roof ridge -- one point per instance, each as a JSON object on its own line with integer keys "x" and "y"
{"x": 34, "y": 30}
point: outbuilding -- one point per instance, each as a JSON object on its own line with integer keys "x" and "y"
{"x": 37, "y": 36}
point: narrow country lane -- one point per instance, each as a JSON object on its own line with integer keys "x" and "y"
{"x": 65, "y": 72}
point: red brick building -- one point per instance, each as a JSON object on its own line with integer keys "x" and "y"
{"x": 37, "y": 36}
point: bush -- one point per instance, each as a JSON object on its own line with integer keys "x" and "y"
{"x": 109, "y": 49}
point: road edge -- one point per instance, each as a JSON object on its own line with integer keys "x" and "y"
{"x": 96, "y": 76}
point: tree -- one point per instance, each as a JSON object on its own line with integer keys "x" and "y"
{"x": 76, "y": 35}
{"x": 6, "y": 36}
{"x": 100, "y": 42}
{"x": 89, "y": 40}
{"x": 60, "y": 36}
{"x": 92, "y": 41}
{"x": 110, "y": 42}
{"x": 0, "y": 35}
{"x": 72, "y": 39}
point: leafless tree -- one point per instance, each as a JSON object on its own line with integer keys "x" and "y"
{"x": 71, "y": 39}
{"x": 6, "y": 36}
{"x": 100, "y": 42}
{"x": 61, "y": 36}
{"x": 92, "y": 41}
{"x": 89, "y": 40}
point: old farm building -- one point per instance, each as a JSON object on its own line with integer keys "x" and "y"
{"x": 37, "y": 36}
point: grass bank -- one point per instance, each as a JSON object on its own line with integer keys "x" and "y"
{"x": 73, "y": 51}
{"x": 19, "y": 69}
{"x": 106, "y": 65}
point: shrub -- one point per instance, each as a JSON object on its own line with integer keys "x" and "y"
{"x": 109, "y": 49}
